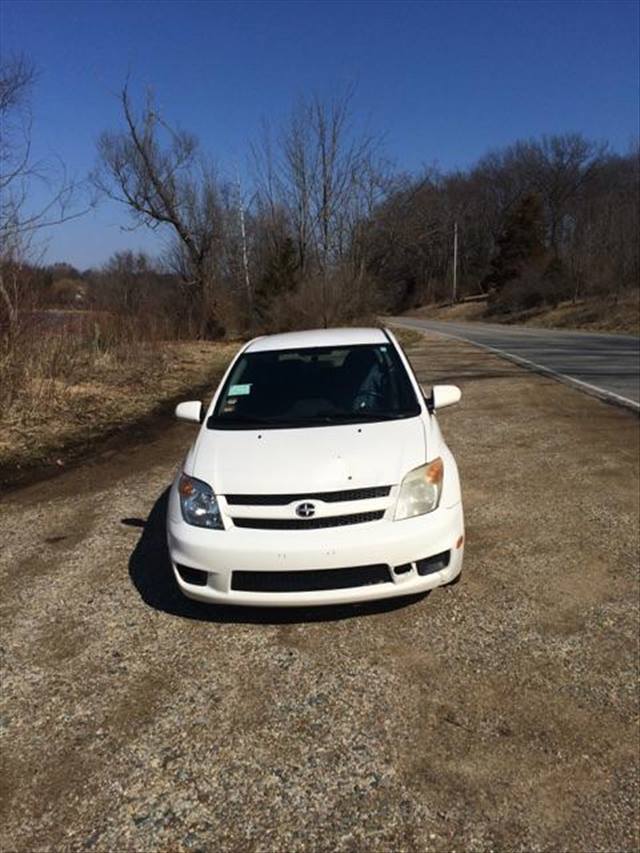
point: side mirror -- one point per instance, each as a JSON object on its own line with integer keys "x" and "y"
{"x": 190, "y": 411}
{"x": 445, "y": 395}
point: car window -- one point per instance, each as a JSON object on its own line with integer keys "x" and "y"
{"x": 315, "y": 387}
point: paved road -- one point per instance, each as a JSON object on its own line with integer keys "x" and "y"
{"x": 602, "y": 364}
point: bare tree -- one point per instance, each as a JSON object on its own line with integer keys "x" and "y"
{"x": 19, "y": 221}
{"x": 158, "y": 173}
{"x": 296, "y": 181}
{"x": 558, "y": 168}
{"x": 17, "y": 76}
{"x": 326, "y": 177}
{"x": 18, "y": 171}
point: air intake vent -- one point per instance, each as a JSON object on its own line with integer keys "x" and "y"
{"x": 307, "y": 523}
{"x": 328, "y": 497}
{"x": 310, "y": 581}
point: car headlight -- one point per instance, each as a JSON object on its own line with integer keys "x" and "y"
{"x": 420, "y": 490}
{"x": 198, "y": 503}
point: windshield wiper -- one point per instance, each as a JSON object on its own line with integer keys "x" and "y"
{"x": 328, "y": 419}
{"x": 217, "y": 422}
{"x": 389, "y": 416}
{"x": 245, "y": 422}
{"x": 356, "y": 417}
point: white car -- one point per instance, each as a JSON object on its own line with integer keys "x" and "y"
{"x": 319, "y": 476}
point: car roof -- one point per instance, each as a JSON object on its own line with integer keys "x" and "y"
{"x": 318, "y": 338}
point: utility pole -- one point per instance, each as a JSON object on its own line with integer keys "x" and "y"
{"x": 454, "y": 294}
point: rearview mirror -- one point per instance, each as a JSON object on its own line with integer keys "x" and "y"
{"x": 445, "y": 395}
{"x": 190, "y": 411}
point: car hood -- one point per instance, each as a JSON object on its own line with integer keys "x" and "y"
{"x": 308, "y": 460}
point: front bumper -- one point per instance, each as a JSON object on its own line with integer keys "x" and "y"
{"x": 394, "y": 543}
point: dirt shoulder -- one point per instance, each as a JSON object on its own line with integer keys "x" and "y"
{"x": 119, "y": 400}
{"x": 498, "y": 714}
{"x": 622, "y": 317}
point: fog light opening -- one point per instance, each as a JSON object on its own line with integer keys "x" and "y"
{"x": 195, "y": 577}
{"x": 430, "y": 565}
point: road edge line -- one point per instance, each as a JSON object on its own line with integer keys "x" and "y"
{"x": 578, "y": 384}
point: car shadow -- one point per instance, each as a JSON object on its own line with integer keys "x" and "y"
{"x": 151, "y": 574}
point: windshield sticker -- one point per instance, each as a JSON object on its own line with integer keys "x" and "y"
{"x": 240, "y": 390}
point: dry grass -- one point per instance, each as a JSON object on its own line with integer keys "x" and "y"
{"x": 62, "y": 394}
{"x": 462, "y": 312}
{"x": 407, "y": 337}
{"x": 621, "y": 316}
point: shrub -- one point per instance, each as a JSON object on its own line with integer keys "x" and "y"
{"x": 524, "y": 293}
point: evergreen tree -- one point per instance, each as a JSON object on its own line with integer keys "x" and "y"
{"x": 279, "y": 276}
{"x": 521, "y": 244}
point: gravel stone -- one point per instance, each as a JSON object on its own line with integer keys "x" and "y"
{"x": 498, "y": 714}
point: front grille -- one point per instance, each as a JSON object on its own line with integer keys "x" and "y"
{"x": 307, "y": 523}
{"x": 328, "y": 497}
{"x": 310, "y": 581}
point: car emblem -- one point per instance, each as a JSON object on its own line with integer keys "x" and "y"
{"x": 305, "y": 510}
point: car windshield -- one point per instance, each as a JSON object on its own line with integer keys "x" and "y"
{"x": 317, "y": 386}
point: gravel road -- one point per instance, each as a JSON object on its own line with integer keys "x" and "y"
{"x": 605, "y": 363}
{"x": 498, "y": 714}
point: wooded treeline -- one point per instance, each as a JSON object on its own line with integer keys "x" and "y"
{"x": 328, "y": 231}
{"x": 540, "y": 221}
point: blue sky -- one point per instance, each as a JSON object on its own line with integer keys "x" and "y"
{"x": 443, "y": 81}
